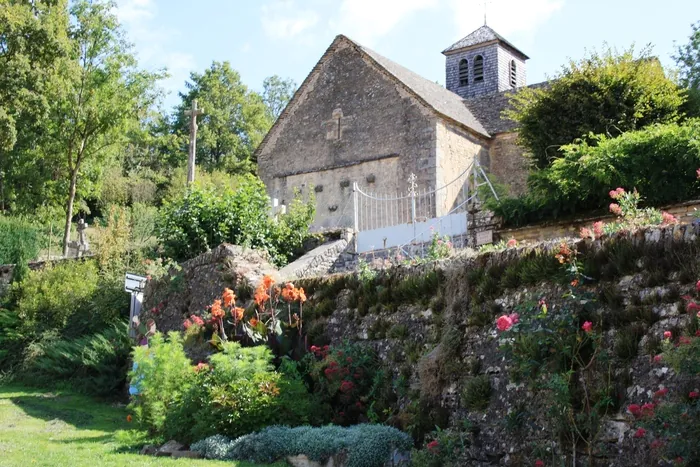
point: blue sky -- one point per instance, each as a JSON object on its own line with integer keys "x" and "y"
{"x": 287, "y": 37}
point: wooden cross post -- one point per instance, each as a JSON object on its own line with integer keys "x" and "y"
{"x": 192, "y": 113}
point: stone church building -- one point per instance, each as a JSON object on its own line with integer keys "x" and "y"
{"x": 360, "y": 117}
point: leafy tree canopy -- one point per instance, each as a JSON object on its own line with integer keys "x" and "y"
{"x": 277, "y": 93}
{"x": 604, "y": 93}
{"x": 33, "y": 42}
{"x": 234, "y": 123}
{"x": 688, "y": 60}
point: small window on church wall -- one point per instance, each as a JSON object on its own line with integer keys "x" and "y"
{"x": 478, "y": 68}
{"x": 463, "y": 72}
{"x": 513, "y": 74}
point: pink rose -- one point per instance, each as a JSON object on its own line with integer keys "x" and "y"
{"x": 615, "y": 209}
{"x": 598, "y": 228}
{"x": 667, "y": 219}
{"x": 587, "y": 326}
{"x": 503, "y": 323}
{"x": 668, "y": 334}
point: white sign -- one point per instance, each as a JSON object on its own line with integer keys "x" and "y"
{"x": 482, "y": 238}
{"x": 134, "y": 283}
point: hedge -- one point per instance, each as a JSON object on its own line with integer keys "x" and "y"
{"x": 19, "y": 240}
{"x": 660, "y": 161}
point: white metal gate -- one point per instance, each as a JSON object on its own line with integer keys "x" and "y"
{"x": 396, "y": 221}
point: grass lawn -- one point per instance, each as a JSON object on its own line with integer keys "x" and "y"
{"x": 63, "y": 429}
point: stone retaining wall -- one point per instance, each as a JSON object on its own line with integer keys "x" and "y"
{"x": 685, "y": 212}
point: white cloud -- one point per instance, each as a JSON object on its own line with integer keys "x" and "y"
{"x": 368, "y": 20}
{"x": 153, "y": 43}
{"x": 130, "y": 11}
{"x": 511, "y": 18}
{"x": 283, "y": 19}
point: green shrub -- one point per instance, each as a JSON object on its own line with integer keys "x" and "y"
{"x": 204, "y": 218}
{"x": 581, "y": 179}
{"x": 603, "y": 93}
{"x": 95, "y": 364}
{"x": 446, "y": 449}
{"x": 365, "y": 445}
{"x": 163, "y": 375}
{"x": 344, "y": 380}
{"x": 20, "y": 241}
{"x": 239, "y": 392}
{"x": 48, "y": 298}
{"x": 12, "y": 338}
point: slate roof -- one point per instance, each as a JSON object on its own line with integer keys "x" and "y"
{"x": 440, "y": 99}
{"x": 481, "y": 35}
{"x": 488, "y": 109}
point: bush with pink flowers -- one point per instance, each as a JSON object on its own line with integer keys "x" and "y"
{"x": 629, "y": 215}
{"x": 558, "y": 352}
{"x": 346, "y": 379}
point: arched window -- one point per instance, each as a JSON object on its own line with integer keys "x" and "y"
{"x": 478, "y": 68}
{"x": 463, "y": 72}
{"x": 513, "y": 74}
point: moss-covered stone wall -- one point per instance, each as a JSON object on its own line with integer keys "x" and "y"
{"x": 433, "y": 327}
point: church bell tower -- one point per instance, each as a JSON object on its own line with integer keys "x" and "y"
{"x": 483, "y": 63}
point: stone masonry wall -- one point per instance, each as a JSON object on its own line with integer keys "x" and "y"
{"x": 507, "y": 163}
{"x": 374, "y": 117}
{"x": 433, "y": 328}
{"x": 684, "y": 212}
{"x": 455, "y": 153}
{"x": 332, "y": 189}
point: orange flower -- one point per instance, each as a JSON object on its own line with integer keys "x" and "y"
{"x": 129, "y": 418}
{"x": 302, "y": 295}
{"x": 229, "y": 297}
{"x": 254, "y": 322}
{"x": 216, "y": 310}
{"x": 288, "y": 292}
{"x": 261, "y": 295}
{"x": 238, "y": 313}
{"x": 267, "y": 281}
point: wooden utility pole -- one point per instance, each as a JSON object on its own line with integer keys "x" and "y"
{"x": 192, "y": 113}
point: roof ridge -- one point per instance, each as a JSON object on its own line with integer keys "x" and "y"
{"x": 439, "y": 103}
{"x": 445, "y": 103}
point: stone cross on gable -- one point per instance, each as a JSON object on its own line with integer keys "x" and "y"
{"x": 335, "y": 126}
{"x": 193, "y": 113}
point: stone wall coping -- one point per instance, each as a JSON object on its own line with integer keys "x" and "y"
{"x": 589, "y": 219}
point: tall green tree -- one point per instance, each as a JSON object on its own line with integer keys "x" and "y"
{"x": 604, "y": 93}
{"x": 234, "y": 123}
{"x": 688, "y": 60}
{"x": 277, "y": 92}
{"x": 102, "y": 92}
{"x": 33, "y": 40}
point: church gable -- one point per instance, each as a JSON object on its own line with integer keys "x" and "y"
{"x": 346, "y": 111}
{"x": 349, "y": 122}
